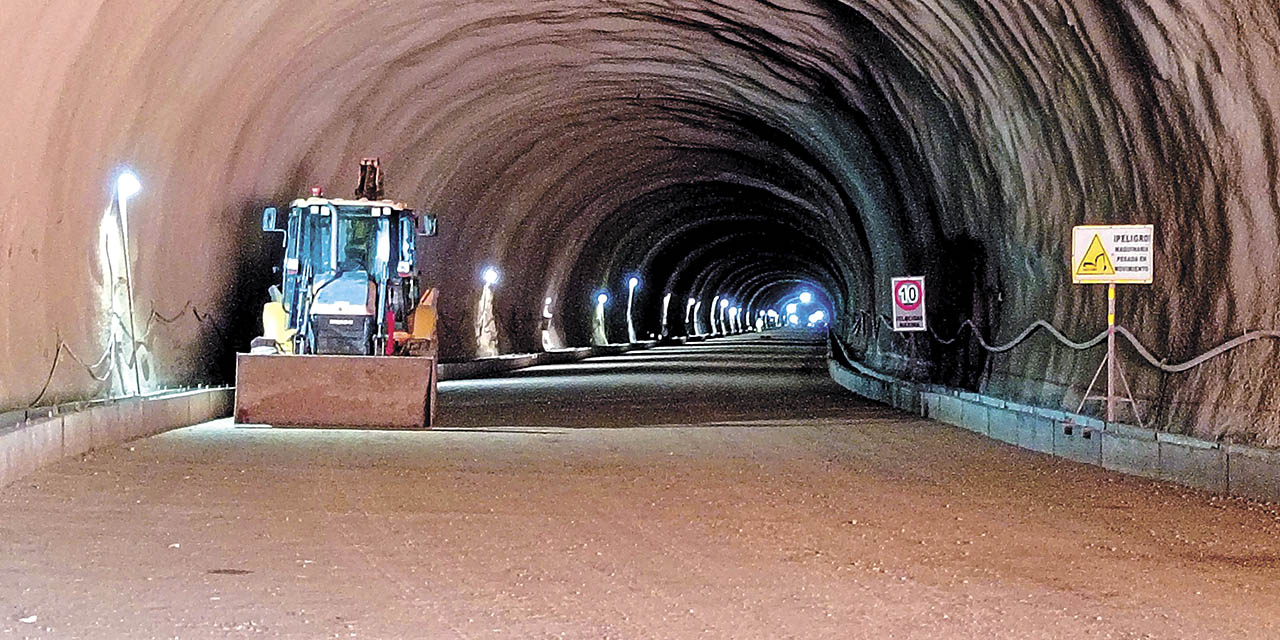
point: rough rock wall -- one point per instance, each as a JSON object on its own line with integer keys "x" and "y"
{"x": 1117, "y": 112}
{"x": 734, "y": 147}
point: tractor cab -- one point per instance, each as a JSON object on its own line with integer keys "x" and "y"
{"x": 350, "y": 273}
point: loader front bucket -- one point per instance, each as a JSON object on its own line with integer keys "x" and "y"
{"x": 363, "y": 392}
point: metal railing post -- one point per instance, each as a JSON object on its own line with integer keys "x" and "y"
{"x": 1111, "y": 352}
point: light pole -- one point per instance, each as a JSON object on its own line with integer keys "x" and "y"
{"x": 697, "y": 315}
{"x": 486, "y": 322}
{"x": 715, "y": 311}
{"x": 127, "y": 186}
{"x": 601, "y": 332}
{"x": 691, "y": 328}
{"x": 631, "y": 298}
{"x": 546, "y": 324}
{"x": 724, "y": 309}
{"x": 666, "y": 307}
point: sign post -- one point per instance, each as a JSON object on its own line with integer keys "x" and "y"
{"x": 908, "y": 304}
{"x": 1111, "y": 255}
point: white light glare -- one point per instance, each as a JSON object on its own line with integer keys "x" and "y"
{"x": 817, "y": 317}
{"x": 490, "y": 276}
{"x": 127, "y": 185}
{"x": 724, "y": 303}
{"x": 806, "y": 297}
{"x": 794, "y": 319}
{"x": 791, "y": 308}
{"x": 633, "y": 282}
{"x": 602, "y": 298}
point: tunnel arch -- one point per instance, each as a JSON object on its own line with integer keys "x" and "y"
{"x": 955, "y": 140}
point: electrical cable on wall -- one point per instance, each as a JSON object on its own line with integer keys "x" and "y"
{"x": 142, "y": 341}
{"x": 91, "y": 369}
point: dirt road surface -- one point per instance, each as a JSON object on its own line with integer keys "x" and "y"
{"x": 725, "y": 490}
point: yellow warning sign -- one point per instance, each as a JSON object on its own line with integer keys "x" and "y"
{"x": 1112, "y": 254}
{"x": 1096, "y": 262}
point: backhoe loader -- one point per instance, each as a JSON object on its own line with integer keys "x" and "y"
{"x": 348, "y": 335}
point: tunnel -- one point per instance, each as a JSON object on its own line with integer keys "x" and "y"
{"x": 705, "y": 148}
{"x": 716, "y": 197}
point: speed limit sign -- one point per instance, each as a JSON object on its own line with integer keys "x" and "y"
{"x": 908, "y": 304}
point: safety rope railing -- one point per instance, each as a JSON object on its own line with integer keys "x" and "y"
{"x": 1041, "y": 325}
{"x": 1200, "y": 359}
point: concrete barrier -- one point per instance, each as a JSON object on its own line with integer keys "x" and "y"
{"x": 564, "y": 356}
{"x": 1005, "y": 426}
{"x": 1036, "y": 433}
{"x": 1253, "y": 472}
{"x": 1132, "y": 451}
{"x": 1192, "y": 462}
{"x": 34, "y": 439}
{"x": 1233, "y": 469}
{"x": 1075, "y": 442}
{"x": 975, "y": 416}
{"x": 29, "y": 447}
{"x": 609, "y": 350}
{"x": 484, "y": 367}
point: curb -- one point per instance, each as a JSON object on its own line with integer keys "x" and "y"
{"x": 1229, "y": 469}
{"x": 44, "y": 436}
{"x": 35, "y": 438}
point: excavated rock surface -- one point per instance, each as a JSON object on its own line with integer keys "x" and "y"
{"x": 713, "y": 147}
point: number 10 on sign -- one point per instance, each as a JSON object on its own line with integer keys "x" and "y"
{"x": 908, "y": 304}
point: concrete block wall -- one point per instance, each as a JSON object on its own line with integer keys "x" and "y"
{"x": 31, "y": 440}
{"x": 1252, "y": 472}
{"x": 1210, "y": 466}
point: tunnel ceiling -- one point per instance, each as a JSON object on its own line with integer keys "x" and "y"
{"x": 709, "y": 148}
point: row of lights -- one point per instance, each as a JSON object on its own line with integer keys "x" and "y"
{"x": 730, "y": 316}
{"x": 795, "y": 316}
{"x": 128, "y": 185}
